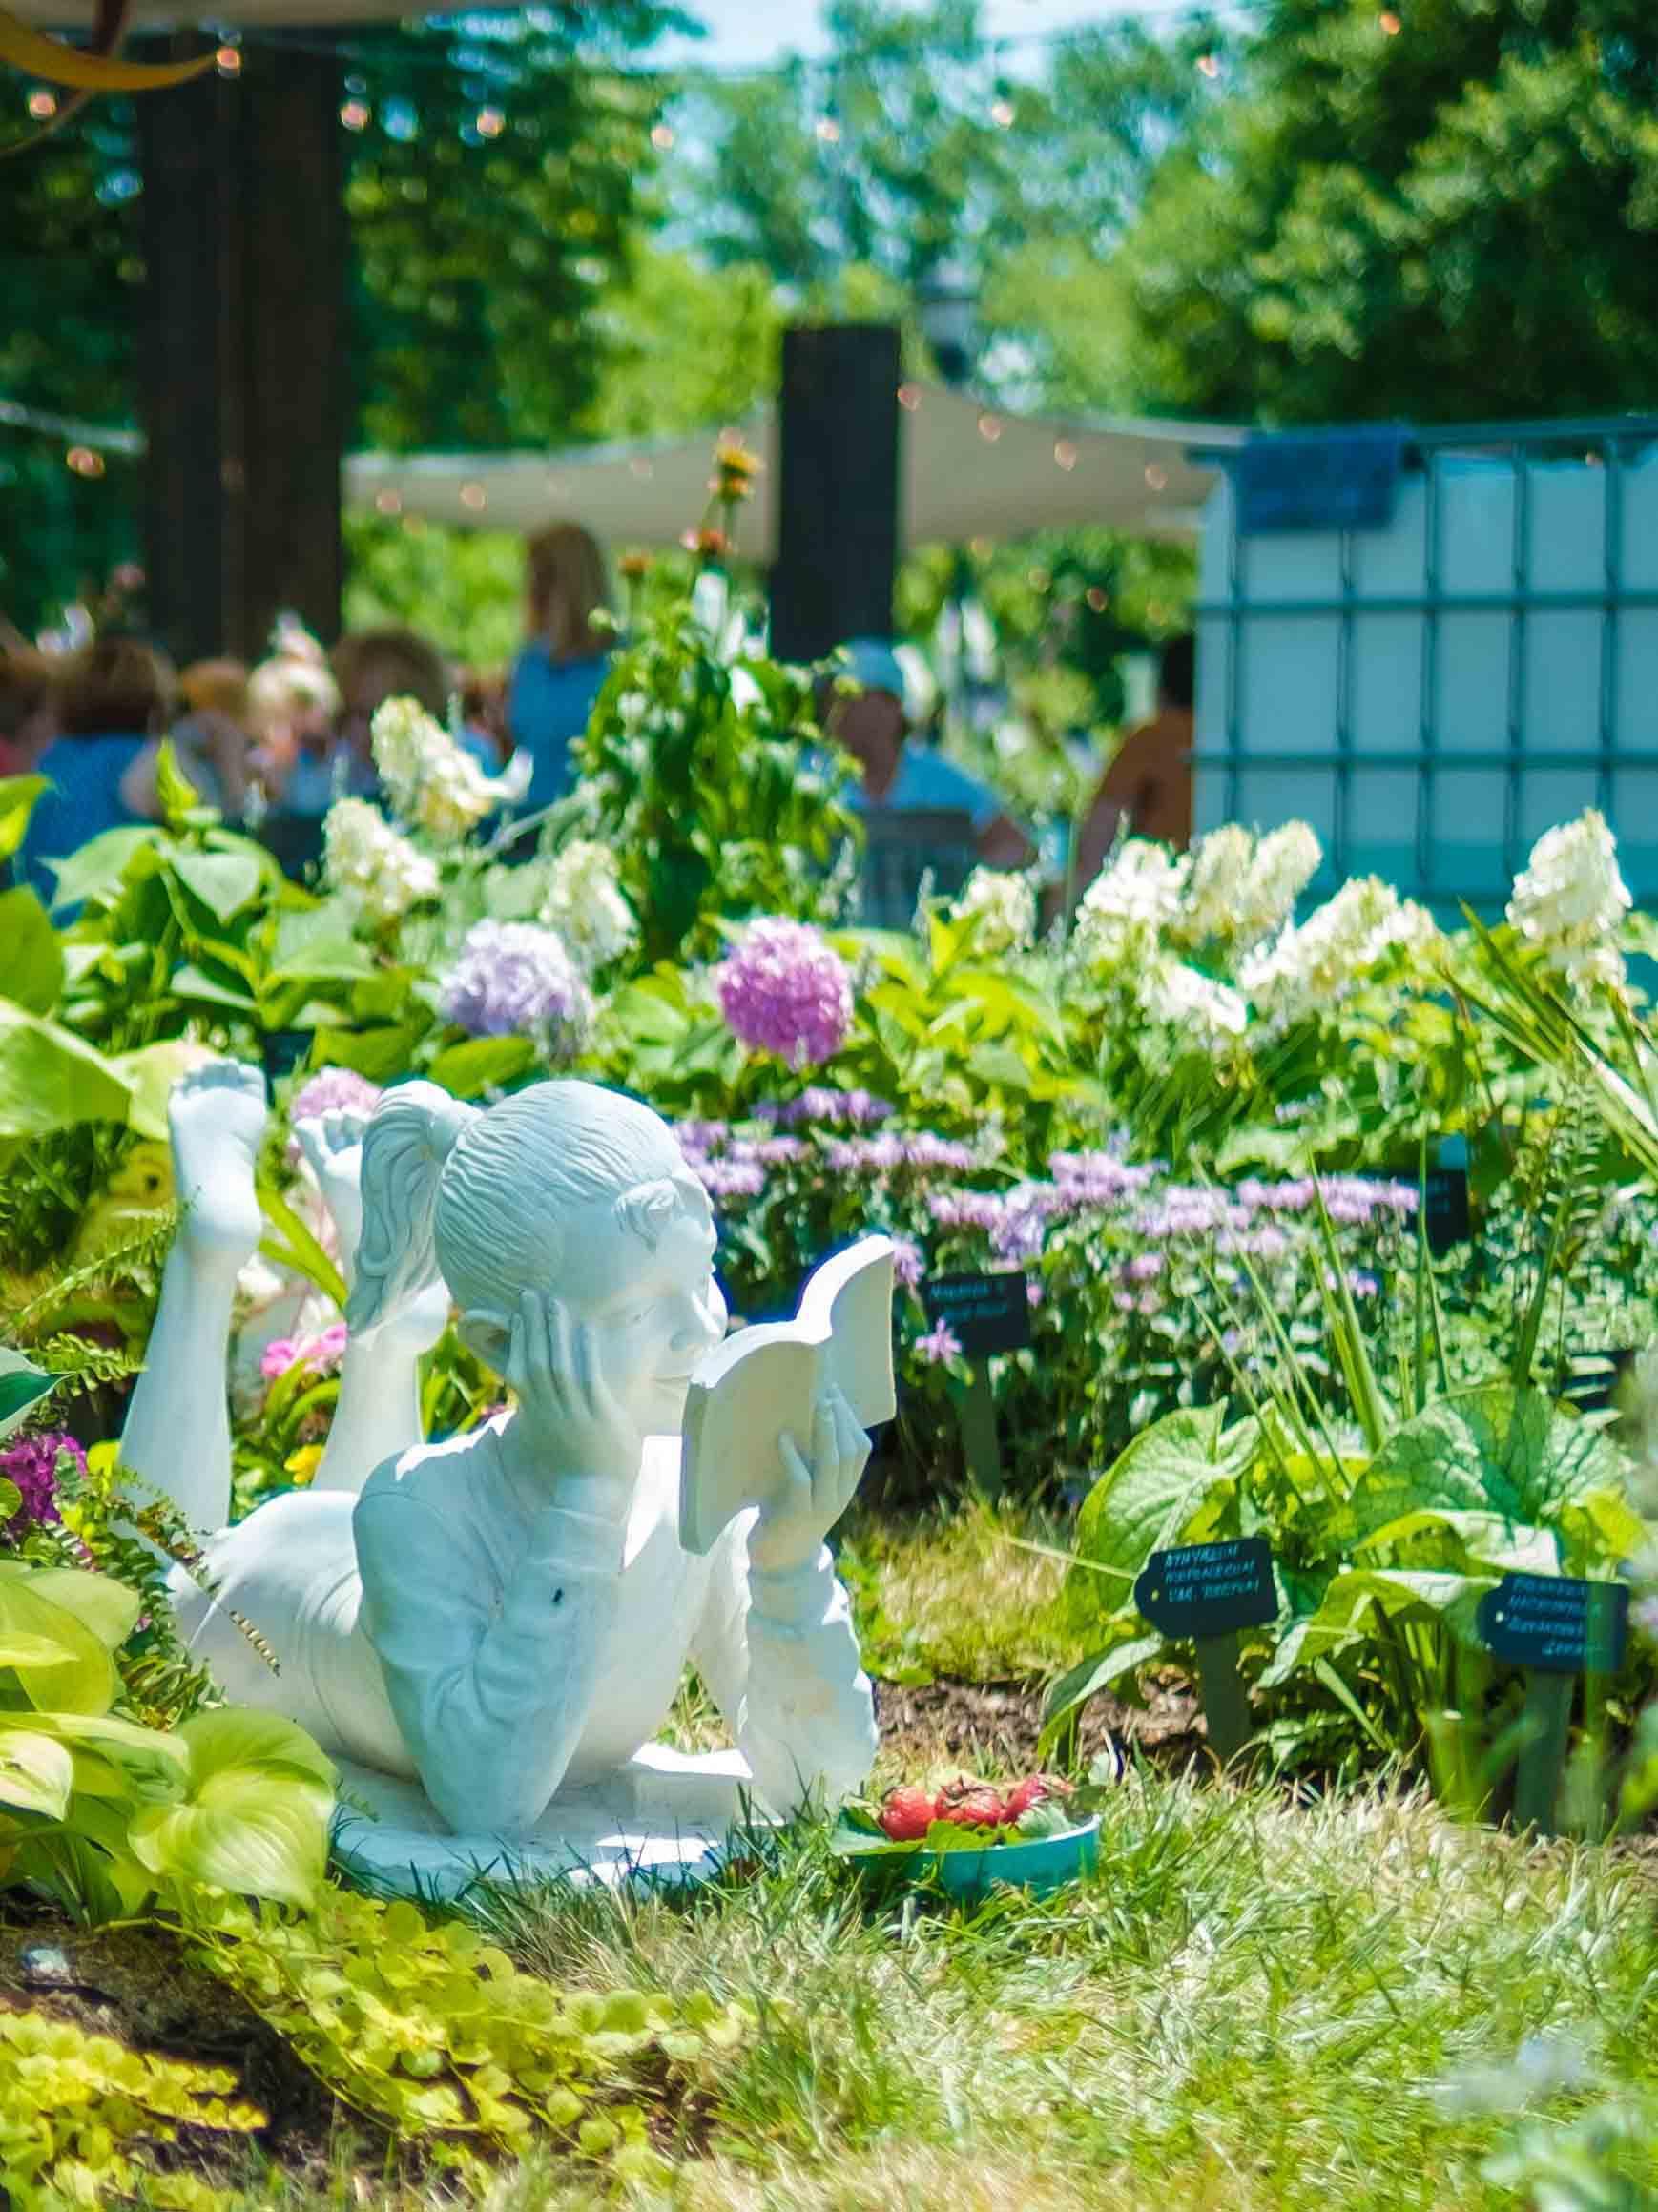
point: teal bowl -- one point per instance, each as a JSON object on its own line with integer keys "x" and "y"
{"x": 1040, "y": 1865}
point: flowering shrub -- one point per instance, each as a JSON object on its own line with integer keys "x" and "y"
{"x": 431, "y": 783}
{"x": 1570, "y": 901}
{"x": 584, "y": 903}
{"x": 517, "y": 978}
{"x": 363, "y": 852}
{"x": 785, "y": 990}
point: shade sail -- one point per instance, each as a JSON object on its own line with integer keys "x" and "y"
{"x": 967, "y": 472}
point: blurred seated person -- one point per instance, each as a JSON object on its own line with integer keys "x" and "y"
{"x": 293, "y": 705}
{"x": 1147, "y": 786}
{"x": 483, "y": 717}
{"x": 210, "y": 740}
{"x": 371, "y": 666}
{"x": 27, "y": 709}
{"x": 900, "y": 773}
{"x": 558, "y": 673}
{"x": 115, "y": 699}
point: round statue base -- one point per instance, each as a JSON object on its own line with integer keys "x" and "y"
{"x": 665, "y": 1817}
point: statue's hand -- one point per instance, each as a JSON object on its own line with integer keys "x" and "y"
{"x": 793, "y": 1525}
{"x": 570, "y": 1422}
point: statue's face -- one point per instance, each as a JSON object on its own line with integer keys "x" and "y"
{"x": 653, "y": 1313}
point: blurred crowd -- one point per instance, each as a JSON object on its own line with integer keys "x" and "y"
{"x": 273, "y": 746}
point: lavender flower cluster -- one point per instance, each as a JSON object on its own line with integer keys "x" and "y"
{"x": 514, "y": 979}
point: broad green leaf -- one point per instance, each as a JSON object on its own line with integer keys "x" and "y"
{"x": 11, "y": 1500}
{"x": 150, "y": 1074}
{"x": 224, "y": 882}
{"x": 481, "y": 1063}
{"x": 1490, "y": 1450}
{"x": 1094, "y": 1674}
{"x": 153, "y": 1761}
{"x": 36, "y": 1773}
{"x": 96, "y": 870}
{"x": 1467, "y": 1542}
{"x": 238, "y": 1737}
{"x": 50, "y": 1080}
{"x": 316, "y": 942}
{"x": 1170, "y": 1487}
{"x": 22, "y": 1385}
{"x": 1358, "y": 1599}
{"x": 107, "y": 1607}
{"x": 80, "y": 1679}
{"x": 1600, "y": 1530}
{"x": 260, "y": 1835}
{"x": 17, "y": 796}
{"x": 34, "y": 960}
{"x": 191, "y": 980}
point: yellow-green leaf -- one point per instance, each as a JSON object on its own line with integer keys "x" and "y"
{"x": 55, "y": 63}
{"x": 36, "y": 1773}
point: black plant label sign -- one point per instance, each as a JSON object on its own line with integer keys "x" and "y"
{"x": 1209, "y": 1589}
{"x": 1445, "y": 1215}
{"x": 1556, "y": 1624}
{"x": 986, "y": 1312}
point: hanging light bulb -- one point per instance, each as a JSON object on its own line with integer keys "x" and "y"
{"x": 1002, "y": 113}
{"x": 43, "y": 106}
{"x": 661, "y": 137}
{"x": 84, "y": 461}
{"x": 354, "y": 114}
{"x": 828, "y": 130}
{"x": 228, "y": 61}
{"x": 387, "y": 501}
{"x": 1209, "y": 65}
{"x": 1389, "y": 24}
{"x": 489, "y": 122}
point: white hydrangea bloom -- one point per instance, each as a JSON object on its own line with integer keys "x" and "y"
{"x": 1211, "y": 1013}
{"x": 429, "y": 780}
{"x": 1309, "y": 970}
{"x": 1220, "y": 866}
{"x": 1004, "y": 906}
{"x": 1129, "y": 906}
{"x": 1285, "y": 862}
{"x": 363, "y": 852}
{"x": 1570, "y": 899}
{"x": 584, "y": 905}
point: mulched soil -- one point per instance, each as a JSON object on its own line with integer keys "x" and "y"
{"x": 996, "y": 1723}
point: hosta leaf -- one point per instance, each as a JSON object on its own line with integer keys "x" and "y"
{"x": 238, "y": 1739}
{"x": 224, "y": 882}
{"x": 80, "y": 1679}
{"x": 105, "y": 1606}
{"x": 259, "y": 1835}
{"x": 36, "y": 1773}
{"x": 152, "y": 1762}
{"x": 50, "y": 1080}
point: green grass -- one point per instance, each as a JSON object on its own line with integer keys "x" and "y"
{"x": 958, "y": 1592}
{"x": 1252, "y": 2005}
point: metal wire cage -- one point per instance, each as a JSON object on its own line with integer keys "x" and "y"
{"x": 1433, "y": 694}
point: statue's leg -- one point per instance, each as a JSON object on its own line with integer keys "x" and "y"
{"x": 377, "y": 1415}
{"x": 177, "y": 1432}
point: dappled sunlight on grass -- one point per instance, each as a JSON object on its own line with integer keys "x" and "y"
{"x": 958, "y": 1591}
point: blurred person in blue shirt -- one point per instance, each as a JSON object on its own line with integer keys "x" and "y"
{"x": 114, "y": 699}
{"x": 902, "y": 773}
{"x": 557, "y": 675}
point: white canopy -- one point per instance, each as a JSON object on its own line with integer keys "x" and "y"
{"x": 79, "y": 14}
{"x": 967, "y": 472}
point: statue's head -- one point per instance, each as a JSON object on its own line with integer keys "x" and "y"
{"x": 575, "y": 1192}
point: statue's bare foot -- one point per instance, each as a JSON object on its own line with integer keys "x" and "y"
{"x": 331, "y": 1144}
{"x": 216, "y": 1120}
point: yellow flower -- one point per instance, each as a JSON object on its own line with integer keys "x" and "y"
{"x": 734, "y": 469}
{"x": 303, "y": 1463}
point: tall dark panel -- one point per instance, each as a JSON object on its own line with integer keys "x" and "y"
{"x": 243, "y": 352}
{"x": 838, "y": 488}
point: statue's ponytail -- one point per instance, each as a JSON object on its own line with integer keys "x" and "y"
{"x": 414, "y": 1131}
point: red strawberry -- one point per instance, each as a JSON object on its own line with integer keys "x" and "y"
{"x": 1032, "y": 1791}
{"x": 972, "y": 1804}
{"x": 906, "y": 1814}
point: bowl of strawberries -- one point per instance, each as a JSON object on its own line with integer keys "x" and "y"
{"x": 970, "y": 1833}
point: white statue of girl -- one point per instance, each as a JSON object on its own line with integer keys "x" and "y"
{"x": 509, "y": 1613}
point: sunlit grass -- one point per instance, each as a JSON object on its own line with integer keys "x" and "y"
{"x": 958, "y": 1592}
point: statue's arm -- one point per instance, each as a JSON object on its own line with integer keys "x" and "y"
{"x": 490, "y": 1698}
{"x": 778, "y": 1653}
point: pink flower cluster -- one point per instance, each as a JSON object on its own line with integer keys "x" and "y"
{"x": 786, "y": 990}
{"x": 322, "y": 1353}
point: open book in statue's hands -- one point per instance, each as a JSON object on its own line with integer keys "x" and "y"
{"x": 764, "y": 1383}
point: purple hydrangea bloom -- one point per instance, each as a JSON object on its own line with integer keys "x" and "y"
{"x": 939, "y": 1344}
{"x": 785, "y": 989}
{"x": 514, "y": 979}
{"x": 31, "y": 1462}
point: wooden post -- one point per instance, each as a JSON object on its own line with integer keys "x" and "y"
{"x": 244, "y": 351}
{"x": 838, "y": 488}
